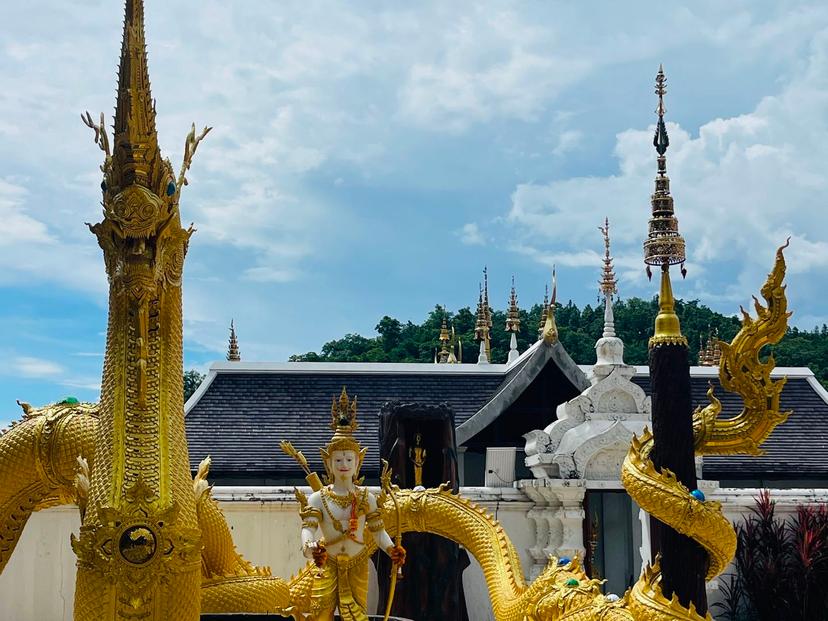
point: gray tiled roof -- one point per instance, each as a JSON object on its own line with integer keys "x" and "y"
{"x": 241, "y": 417}
{"x": 798, "y": 448}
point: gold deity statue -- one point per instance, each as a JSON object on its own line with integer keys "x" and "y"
{"x": 334, "y": 523}
{"x": 417, "y": 455}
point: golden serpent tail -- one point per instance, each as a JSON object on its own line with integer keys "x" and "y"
{"x": 660, "y": 494}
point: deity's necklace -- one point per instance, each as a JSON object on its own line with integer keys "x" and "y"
{"x": 353, "y": 521}
{"x": 341, "y": 501}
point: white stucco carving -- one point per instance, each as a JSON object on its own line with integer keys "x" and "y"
{"x": 593, "y": 428}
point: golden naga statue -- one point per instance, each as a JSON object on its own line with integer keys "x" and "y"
{"x": 154, "y": 544}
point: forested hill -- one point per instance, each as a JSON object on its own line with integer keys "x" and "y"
{"x": 578, "y": 329}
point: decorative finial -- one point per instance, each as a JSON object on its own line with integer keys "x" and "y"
{"x": 443, "y": 356}
{"x": 513, "y": 324}
{"x": 607, "y": 285}
{"x": 544, "y": 311}
{"x": 233, "y": 353}
{"x": 483, "y": 324}
{"x": 550, "y": 328}
{"x": 717, "y": 348}
{"x": 486, "y": 297}
{"x": 452, "y": 358}
{"x": 513, "y": 315}
{"x": 664, "y": 245}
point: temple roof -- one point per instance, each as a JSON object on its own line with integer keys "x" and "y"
{"x": 242, "y": 410}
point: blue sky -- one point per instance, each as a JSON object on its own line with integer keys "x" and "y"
{"x": 370, "y": 158}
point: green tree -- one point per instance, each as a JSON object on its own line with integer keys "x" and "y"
{"x": 578, "y": 330}
{"x": 192, "y": 380}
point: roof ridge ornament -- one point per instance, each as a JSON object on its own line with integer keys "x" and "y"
{"x": 550, "y": 328}
{"x": 513, "y": 323}
{"x": 233, "y": 353}
{"x": 608, "y": 285}
{"x": 483, "y": 325}
{"x": 544, "y": 310}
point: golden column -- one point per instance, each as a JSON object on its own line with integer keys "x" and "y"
{"x": 139, "y": 549}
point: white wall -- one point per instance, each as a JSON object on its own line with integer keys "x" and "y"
{"x": 39, "y": 581}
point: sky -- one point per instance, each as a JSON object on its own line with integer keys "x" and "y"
{"x": 370, "y": 158}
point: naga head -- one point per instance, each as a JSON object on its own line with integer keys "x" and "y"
{"x": 140, "y": 233}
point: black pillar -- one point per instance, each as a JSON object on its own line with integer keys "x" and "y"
{"x": 683, "y": 561}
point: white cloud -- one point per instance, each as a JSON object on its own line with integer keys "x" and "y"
{"x": 741, "y": 186}
{"x": 470, "y": 235}
{"x": 27, "y": 366}
{"x": 567, "y": 141}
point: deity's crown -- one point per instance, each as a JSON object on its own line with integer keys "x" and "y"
{"x": 343, "y": 414}
{"x": 344, "y": 424}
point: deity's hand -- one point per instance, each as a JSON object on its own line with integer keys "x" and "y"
{"x": 319, "y": 553}
{"x": 397, "y": 554}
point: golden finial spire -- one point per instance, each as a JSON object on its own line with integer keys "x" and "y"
{"x": 513, "y": 315}
{"x": 233, "y": 353}
{"x": 443, "y": 356}
{"x": 607, "y": 285}
{"x": 544, "y": 311}
{"x": 484, "y": 318}
{"x": 486, "y": 308}
{"x": 664, "y": 245}
{"x": 717, "y": 348}
{"x": 550, "y": 328}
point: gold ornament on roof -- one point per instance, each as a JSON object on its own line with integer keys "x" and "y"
{"x": 608, "y": 284}
{"x": 233, "y": 353}
{"x": 513, "y": 314}
{"x": 550, "y": 328}
{"x": 483, "y": 324}
{"x": 544, "y": 311}
{"x": 445, "y": 338}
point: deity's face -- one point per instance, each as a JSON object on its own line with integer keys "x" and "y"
{"x": 344, "y": 465}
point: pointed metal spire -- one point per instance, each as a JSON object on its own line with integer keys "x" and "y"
{"x": 233, "y": 353}
{"x": 513, "y": 314}
{"x": 443, "y": 355}
{"x": 483, "y": 324}
{"x": 608, "y": 284}
{"x": 486, "y": 297}
{"x": 664, "y": 245}
{"x": 513, "y": 323}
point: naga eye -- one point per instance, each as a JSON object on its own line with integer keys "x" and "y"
{"x": 171, "y": 188}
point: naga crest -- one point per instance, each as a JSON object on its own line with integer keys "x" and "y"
{"x": 140, "y": 234}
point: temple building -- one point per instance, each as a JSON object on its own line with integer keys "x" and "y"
{"x": 541, "y": 434}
